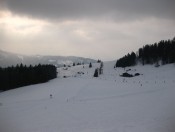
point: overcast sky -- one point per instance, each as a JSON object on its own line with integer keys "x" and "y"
{"x": 99, "y": 29}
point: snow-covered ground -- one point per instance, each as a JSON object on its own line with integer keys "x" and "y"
{"x": 82, "y": 103}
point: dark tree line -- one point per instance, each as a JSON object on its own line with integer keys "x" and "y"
{"x": 13, "y": 77}
{"x": 127, "y": 60}
{"x": 163, "y": 51}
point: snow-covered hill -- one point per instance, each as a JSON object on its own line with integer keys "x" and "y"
{"x": 82, "y": 103}
{"x": 9, "y": 59}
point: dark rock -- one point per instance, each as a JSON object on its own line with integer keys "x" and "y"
{"x": 137, "y": 74}
{"x": 126, "y": 75}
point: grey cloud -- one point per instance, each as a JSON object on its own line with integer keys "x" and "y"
{"x": 76, "y": 9}
{"x": 86, "y": 26}
{"x": 2, "y": 36}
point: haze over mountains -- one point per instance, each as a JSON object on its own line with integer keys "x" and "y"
{"x": 9, "y": 59}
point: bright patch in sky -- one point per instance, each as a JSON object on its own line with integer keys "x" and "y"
{"x": 20, "y": 25}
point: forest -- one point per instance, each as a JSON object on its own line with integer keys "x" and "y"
{"x": 162, "y": 53}
{"x": 21, "y": 75}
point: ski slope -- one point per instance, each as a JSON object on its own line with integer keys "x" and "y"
{"x": 82, "y": 103}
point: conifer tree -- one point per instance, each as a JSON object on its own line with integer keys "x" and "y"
{"x": 90, "y": 65}
{"x": 96, "y": 72}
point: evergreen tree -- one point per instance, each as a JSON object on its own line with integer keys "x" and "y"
{"x": 90, "y": 65}
{"x": 98, "y": 61}
{"x": 101, "y": 68}
{"x": 96, "y": 73}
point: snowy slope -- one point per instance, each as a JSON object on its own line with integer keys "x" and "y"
{"x": 81, "y": 103}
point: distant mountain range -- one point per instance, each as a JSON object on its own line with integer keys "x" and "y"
{"x": 9, "y": 59}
